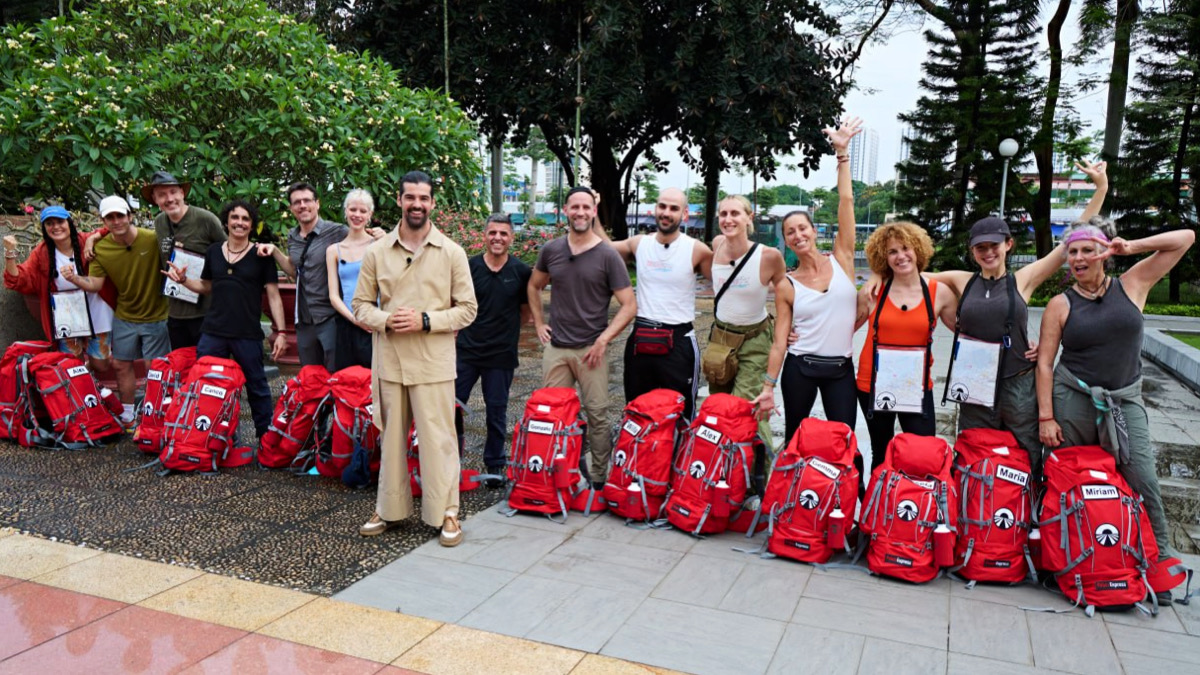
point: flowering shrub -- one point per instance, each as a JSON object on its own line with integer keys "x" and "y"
{"x": 466, "y": 228}
{"x": 237, "y": 98}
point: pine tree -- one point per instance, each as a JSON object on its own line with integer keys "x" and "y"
{"x": 1161, "y": 148}
{"x": 979, "y": 83}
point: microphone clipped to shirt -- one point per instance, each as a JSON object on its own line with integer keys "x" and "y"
{"x": 409, "y": 260}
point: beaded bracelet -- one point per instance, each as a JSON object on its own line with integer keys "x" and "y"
{"x": 767, "y": 379}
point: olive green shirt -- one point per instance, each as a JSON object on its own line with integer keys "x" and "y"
{"x": 134, "y": 270}
{"x": 195, "y": 232}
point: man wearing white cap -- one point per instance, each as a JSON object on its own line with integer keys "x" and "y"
{"x": 128, "y": 256}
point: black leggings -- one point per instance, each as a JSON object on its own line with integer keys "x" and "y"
{"x": 882, "y": 425}
{"x": 800, "y": 393}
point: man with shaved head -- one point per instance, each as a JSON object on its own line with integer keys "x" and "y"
{"x": 662, "y": 351}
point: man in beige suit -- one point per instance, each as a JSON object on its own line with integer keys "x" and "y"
{"x": 423, "y": 286}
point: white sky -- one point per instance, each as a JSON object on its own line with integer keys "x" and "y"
{"x": 887, "y": 78}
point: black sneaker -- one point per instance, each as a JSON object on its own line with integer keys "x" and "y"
{"x": 493, "y": 483}
{"x": 1164, "y": 598}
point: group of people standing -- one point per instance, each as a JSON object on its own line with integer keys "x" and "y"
{"x": 431, "y": 324}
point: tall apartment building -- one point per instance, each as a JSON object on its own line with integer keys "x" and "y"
{"x": 864, "y": 157}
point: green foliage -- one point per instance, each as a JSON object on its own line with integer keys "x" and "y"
{"x": 237, "y": 98}
{"x": 736, "y": 79}
{"x": 791, "y": 194}
{"x": 978, "y": 81}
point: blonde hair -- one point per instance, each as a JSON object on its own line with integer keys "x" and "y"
{"x": 745, "y": 203}
{"x": 910, "y": 234}
{"x": 359, "y": 195}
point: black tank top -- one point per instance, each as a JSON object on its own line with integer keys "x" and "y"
{"x": 1102, "y": 338}
{"x": 984, "y": 311}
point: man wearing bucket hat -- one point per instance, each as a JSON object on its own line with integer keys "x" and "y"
{"x": 192, "y": 229}
{"x": 128, "y": 256}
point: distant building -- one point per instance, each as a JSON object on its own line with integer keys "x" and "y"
{"x": 864, "y": 157}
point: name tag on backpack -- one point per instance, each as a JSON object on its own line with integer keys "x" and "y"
{"x": 711, "y": 435}
{"x": 77, "y": 371}
{"x": 1012, "y": 475}
{"x": 154, "y": 375}
{"x": 1100, "y": 492}
{"x": 210, "y": 390}
{"x": 536, "y": 427}
{"x": 825, "y": 468}
{"x": 632, "y": 427}
{"x": 923, "y": 484}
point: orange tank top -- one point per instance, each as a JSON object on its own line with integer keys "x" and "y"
{"x": 897, "y": 328}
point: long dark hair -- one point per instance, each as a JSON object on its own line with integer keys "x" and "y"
{"x": 77, "y": 258}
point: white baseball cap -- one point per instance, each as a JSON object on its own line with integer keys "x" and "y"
{"x": 113, "y": 204}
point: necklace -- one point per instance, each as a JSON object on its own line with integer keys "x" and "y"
{"x": 989, "y": 284}
{"x": 232, "y": 256}
{"x": 1092, "y": 293}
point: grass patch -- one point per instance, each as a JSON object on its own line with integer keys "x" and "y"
{"x": 1190, "y": 339}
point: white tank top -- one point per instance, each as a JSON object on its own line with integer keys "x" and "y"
{"x": 745, "y": 302}
{"x": 824, "y": 321}
{"x": 666, "y": 281}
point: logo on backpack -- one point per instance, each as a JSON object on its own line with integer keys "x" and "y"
{"x": 535, "y": 464}
{"x": 696, "y": 470}
{"x": 203, "y": 423}
{"x": 708, "y": 434}
{"x": 619, "y": 458}
{"x": 1107, "y": 534}
{"x": 1112, "y": 585}
{"x": 1012, "y": 475}
{"x": 907, "y": 511}
{"x": 90, "y": 401}
{"x": 536, "y": 427}
{"x": 897, "y": 560}
{"x": 1101, "y": 492}
{"x": 211, "y": 390}
{"x": 148, "y": 409}
{"x": 1004, "y": 518}
{"x": 809, "y": 499}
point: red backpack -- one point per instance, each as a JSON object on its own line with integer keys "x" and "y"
{"x": 910, "y": 496}
{"x": 352, "y": 422}
{"x": 712, "y": 469}
{"x": 995, "y": 513}
{"x": 812, "y": 492}
{"x": 543, "y": 463}
{"x": 1096, "y": 536}
{"x": 163, "y": 378}
{"x": 469, "y": 479}
{"x": 69, "y": 411}
{"x": 202, "y": 420}
{"x": 640, "y": 472}
{"x": 294, "y": 425}
{"x": 15, "y": 403}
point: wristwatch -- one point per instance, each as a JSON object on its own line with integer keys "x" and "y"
{"x": 425, "y": 322}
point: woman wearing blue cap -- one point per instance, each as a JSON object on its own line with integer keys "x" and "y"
{"x": 993, "y": 310}
{"x": 90, "y": 331}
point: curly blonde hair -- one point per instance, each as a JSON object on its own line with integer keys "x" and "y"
{"x": 910, "y": 234}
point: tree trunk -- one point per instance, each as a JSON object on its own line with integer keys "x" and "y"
{"x": 497, "y": 175}
{"x": 710, "y": 156}
{"x": 606, "y": 180}
{"x": 1118, "y": 85}
{"x": 533, "y": 184}
{"x": 1043, "y": 145}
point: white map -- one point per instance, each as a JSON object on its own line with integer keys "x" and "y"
{"x": 973, "y": 372}
{"x": 70, "y": 314}
{"x": 899, "y": 379}
{"x": 195, "y": 266}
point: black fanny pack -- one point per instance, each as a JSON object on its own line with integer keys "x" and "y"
{"x": 823, "y": 367}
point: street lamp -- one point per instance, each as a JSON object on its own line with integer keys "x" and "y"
{"x": 1008, "y": 148}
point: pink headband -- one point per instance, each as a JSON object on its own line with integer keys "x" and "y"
{"x": 1088, "y": 234}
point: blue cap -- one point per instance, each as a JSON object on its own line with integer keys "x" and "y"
{"x": 55, "y": 212}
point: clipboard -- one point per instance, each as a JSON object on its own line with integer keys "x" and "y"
{"x": 195, "y": 267}
{"x": 71, "y": 315}
{"x": 974, "y": 372}
{"x": 899, "y": 379}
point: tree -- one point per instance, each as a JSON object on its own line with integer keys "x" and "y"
{"x": 237, "y": 98}
{"x": 633, "y": 74}
{"x": 537, "y": 152}
{"x": 978, "y": 81}
{"x": 791, "y": 194}
{"x": 765, "y": 198}
{"x": 1161, "y": 144}
{"x": 32, "y": 11}
{"x": 1044, "y": 140}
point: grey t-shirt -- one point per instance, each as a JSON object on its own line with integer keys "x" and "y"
{"x": 1102, "y": 338}
{"x": 195, "y": 232}
{"x": 581, "y": 287}
{"x": 312, "y": 274}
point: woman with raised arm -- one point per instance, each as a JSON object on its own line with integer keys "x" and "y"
{"x": 742, "y": 273}
{"x": 1098, "y": 321}
{"x": 818, "y": 302}
{"x": 994, "y": 309}
{"x": 40, "y": 275}
{"x": 343, "y": 260}
{"x": 900, "y": 319}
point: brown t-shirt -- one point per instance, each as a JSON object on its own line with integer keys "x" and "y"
{"x": 581, "y": 287}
